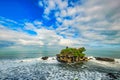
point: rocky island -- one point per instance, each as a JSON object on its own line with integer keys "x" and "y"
{"x": 72, "y": 55}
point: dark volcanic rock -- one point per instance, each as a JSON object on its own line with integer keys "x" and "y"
{"x": 105, "y": 59}
{"x": 111, "y": 75}
{"x": 44, "y": 58}
{"x": 114, "y": 76}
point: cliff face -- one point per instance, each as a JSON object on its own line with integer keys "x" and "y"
{"x": 71, "y": 55}
{"x": 71, "y": 59}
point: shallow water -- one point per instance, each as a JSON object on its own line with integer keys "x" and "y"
{"x": 38, "y": 69}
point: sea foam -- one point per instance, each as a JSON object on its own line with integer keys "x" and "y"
{"x": 114, "y": 64}
{"x": 13, "y": 63}
{"x": 50, "y": 69}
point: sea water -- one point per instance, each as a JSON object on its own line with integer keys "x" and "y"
{"x": 51, "y": 69}
{"x": 30, "y": 66}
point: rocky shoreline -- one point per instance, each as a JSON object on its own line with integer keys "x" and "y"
{"x": 71, "y": 59}
{"x": 76, "y": 55}
{"x": 45, "y": 57}
{"x": 105, "y": 59}
{"x": 74, "y": 59}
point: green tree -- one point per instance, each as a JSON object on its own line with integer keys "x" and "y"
{"x": 82, "y": 49}
{"x": 73, "y": 51}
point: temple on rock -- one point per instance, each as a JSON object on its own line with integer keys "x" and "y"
{"x": 71, "y": 55}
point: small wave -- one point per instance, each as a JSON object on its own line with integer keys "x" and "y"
{"x": 4, "y": 64}
{"x": 49, "y": 60}
{"x": 35, "y": 69}
{"x": 47, "y": 72}
{"x": 116, "y": 63}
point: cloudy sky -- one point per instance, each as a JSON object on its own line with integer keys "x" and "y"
{"x": 53, "y": 24}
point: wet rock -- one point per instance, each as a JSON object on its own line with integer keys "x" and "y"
{"x": 53, "y": 58}
{"x": 21, "y": 61}
{"x": 105, "y": 59}
{"x": 114, "y": 76}
{"x": 44, "y": 58}
{"x": 111, "y": 75}
{"x": 71, "y": 59}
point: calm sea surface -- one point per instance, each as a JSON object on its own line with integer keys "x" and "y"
{"x": 27, "y": 54}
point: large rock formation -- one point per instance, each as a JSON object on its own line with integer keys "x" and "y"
{"x": 71, "y": 55}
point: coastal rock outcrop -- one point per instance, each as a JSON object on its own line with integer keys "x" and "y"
{"x": 114, "y": 76}
{"x": 71, "y": 59}
{"x": 105, "y": 59}
{"x": 44, "y": 58}
{"x": 71, "y": 55}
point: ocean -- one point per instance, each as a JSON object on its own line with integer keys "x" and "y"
{"x": 30, "y": 66}
{"x": 38, "y": 69}
{"x": 7, "y": 54}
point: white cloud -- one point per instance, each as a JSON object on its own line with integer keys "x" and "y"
{"x": 66, "y": 42}
{"x": 37, "y": 23}
{"x": 20, "y": 38}
{"x": 43, "y": 37}
{"x": 30, "y": 42}
{"x": 30, "y": 26}
{"x": 7, "y": 20}
{"x": 51, "y": 4}
{"x": 90, "y": 20}
{"x": 40, "y": 3}
{"x": 93, "y": 35}
{"x": 47, "y": 35}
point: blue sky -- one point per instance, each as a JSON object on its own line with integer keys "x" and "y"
{"x": 53, "y": 24}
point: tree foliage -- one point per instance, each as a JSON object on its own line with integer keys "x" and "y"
{"x": 73, "y": 51}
